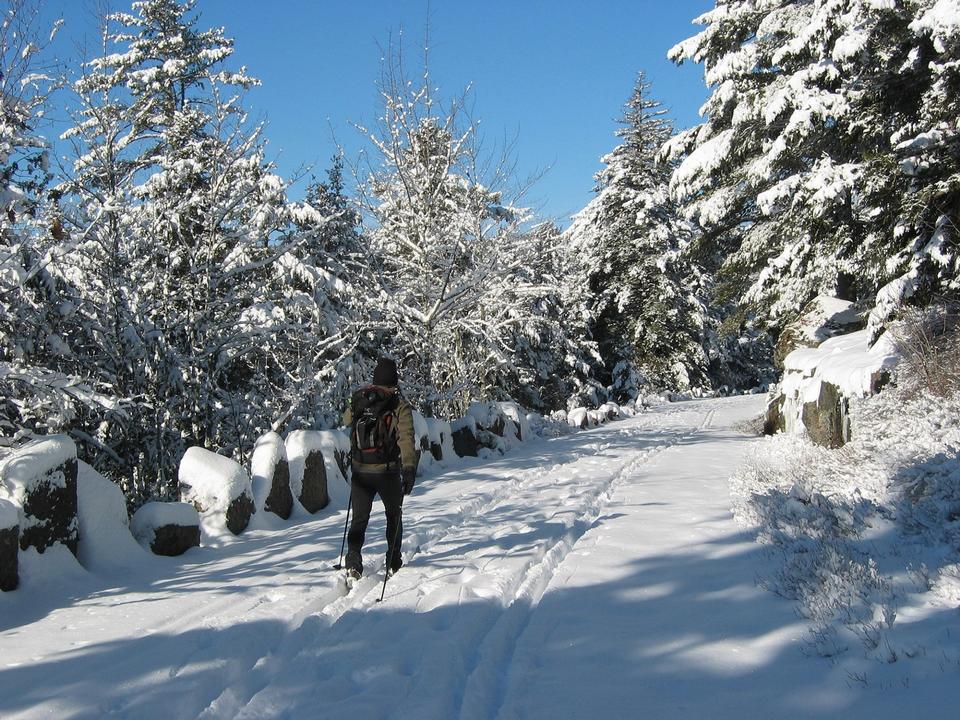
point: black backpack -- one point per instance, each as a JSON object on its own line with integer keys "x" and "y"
{"x": 373, "y": 434}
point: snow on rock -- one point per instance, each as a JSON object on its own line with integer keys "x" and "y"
{"x": 441, "y": 440}
{"x": 317, "y": 468}
{"x": 489, "y": 416}
{"x": 41, "y": 479}
{"x": 219, "y": 488}
{"x": 818, "y": 383}
{"x": 270, "y": 476}
{"x": 421, "y": 440}
{"x": 579, "y": 418}
{"x": 822, "y": 318}
{"x": 105, "y": 539}
{"x": 167, "y": 528}
{"x": 27, "y": 467}
{"x": 519, "y": 418}
{"x": 9, "y": 517}
{"x": 464, "y": 432}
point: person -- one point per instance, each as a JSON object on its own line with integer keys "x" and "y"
{"x": 383, "y": 459}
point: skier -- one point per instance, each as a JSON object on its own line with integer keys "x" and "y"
{"x": 384, "y": 461}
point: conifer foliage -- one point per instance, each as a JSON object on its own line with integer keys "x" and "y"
{"x": 647, "y": 319}
{"x": 827, "y": 162}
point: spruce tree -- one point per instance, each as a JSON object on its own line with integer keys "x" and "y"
{"x": 629, "y": 236}
{"x": 810, "y": 172}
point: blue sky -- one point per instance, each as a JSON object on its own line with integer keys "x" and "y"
{"x": 552, "y": 75}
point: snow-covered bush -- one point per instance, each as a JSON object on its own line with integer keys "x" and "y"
{"x": 862, "y": 530}
{"x": 929, "y": 342}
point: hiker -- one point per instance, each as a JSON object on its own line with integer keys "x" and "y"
{"x": 384, "y": 461}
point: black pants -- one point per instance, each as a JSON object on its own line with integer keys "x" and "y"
{"x": 390, "y": 489}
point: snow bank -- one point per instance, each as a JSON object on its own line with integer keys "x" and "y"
{"x": 212, "y": 481}
{"x": 105, "y": 540}
{"x": 33, "y": 463}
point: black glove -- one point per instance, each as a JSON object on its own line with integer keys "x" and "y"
{"x": 409, "y": 477}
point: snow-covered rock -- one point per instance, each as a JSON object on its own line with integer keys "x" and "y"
{"x": 818, "y": 383}
{"x": 611, "y": 411}
{"x": 441, "y": 440}
{"x": 105, "y": 539}
{"x": 519, "y": 418}
{"x": 579, "y": 418}
{"x": 318, "y": 467}
{"x": 464, "y": 433}
{"x": 421, "y": 432}
{"x": 219, "y": 488}
{"x": 9, "y": 546}
{"x": 41, "y": 480}
{"x": 270, "y": 476}
{"x": 167, "y": 528}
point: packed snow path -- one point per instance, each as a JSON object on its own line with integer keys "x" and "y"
{"x": 595, "y": 575}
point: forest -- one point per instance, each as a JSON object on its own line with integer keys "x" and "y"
{"x": 165, "y": 289}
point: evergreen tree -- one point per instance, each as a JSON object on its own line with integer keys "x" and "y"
{"x": 41, "y": 384}
{"x": 629, "y": 236}
{"x": 810, "y": 173}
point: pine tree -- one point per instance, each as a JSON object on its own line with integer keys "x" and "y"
{"x": 802, "y": 174}
{"x": 630, "y": 237}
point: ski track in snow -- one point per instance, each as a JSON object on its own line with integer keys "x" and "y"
{"x": 517, "y": 594}
{"x": 482, "y": 544}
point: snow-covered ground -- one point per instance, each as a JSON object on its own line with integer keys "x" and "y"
{"x": 599, "y": 574}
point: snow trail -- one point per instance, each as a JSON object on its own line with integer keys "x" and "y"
{"x": 599, "y": 572}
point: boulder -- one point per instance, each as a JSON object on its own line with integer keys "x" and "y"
{"x": 9, "y": 546}
{"x": 826, "y": 418}
{"x": 313, "y": 484}
{"x": 218, "y": 487}
{"x": 41, "y": 479}
{"x": 465, "y": 443}
{"x": 167, "y": 528}
{"x": 270, "y": 476}
{"x": 819, "y": 383}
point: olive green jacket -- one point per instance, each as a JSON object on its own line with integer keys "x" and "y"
{"x": 406, "y": 439}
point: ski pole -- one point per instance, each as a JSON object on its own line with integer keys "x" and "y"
{"x": 346, "y": 523}
{"x": 396, "y": 534}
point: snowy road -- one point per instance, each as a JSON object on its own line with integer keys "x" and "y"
{"x": 595, "y": 575}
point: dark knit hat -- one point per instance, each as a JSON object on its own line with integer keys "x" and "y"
{"x": 385, "y": 374}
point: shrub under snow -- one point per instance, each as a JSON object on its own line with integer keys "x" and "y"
{"x": 867, "y": 535}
